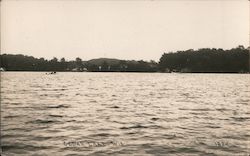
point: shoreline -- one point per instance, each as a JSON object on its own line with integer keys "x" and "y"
{"x": 132, "y": 72}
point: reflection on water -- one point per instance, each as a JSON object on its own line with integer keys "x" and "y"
{"x": 125, "y": 113}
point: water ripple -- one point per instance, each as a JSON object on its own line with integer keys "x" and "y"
{"x": 133, "y": 113}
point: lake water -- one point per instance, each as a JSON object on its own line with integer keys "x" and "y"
{"x": 125, "y": 113}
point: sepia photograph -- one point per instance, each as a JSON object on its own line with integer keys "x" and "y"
{"x": 125, "y": 77}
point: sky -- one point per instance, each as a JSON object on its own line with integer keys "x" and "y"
{"x": 122, "y": 29}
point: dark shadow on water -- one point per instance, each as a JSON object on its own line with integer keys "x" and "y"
{"x": 58, "y": 106}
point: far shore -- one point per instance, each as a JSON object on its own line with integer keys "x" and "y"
{"x": 206, "y": 60}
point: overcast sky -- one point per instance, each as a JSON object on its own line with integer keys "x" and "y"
{"x": 123, "y": 29}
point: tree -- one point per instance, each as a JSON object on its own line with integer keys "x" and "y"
{"x": 54, "y": 59}
{"x": 79, "y": 64}
{"x": 62, "y": 60}
{"x": 104, "y": 66}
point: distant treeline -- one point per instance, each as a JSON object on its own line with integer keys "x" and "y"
{"x": 235, "y": 60}
{"x": 20, "y": 62}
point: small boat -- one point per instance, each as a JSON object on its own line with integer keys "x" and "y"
{"x": 51, "y": 73}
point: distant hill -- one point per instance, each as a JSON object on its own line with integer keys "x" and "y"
{"x": 110, "y": 61}
{"x": 101, "y": 61}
